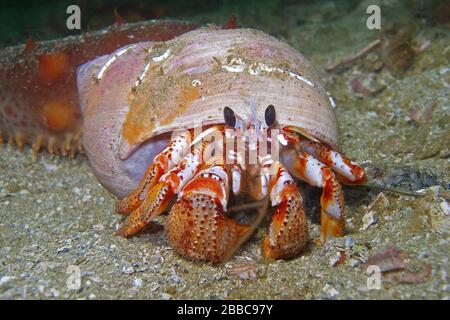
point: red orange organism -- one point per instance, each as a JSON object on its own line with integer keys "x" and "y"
{"x": 38, "y": 92}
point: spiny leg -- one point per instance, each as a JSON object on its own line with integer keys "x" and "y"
{"x": 347, "y": 171}
{"x": 315, "y": 173}
{"x": 344, "y": 171}
{"x": 288, "y": 231}
{"x": 158, "y": 196}
{"x": 197, "y": 225}
{"x": 162, "y": 163}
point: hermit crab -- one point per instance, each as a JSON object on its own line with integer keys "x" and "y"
{"x": 205, "y": 117}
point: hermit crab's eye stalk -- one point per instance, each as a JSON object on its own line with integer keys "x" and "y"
{"x": 270, "y": 115}
{"x": 229, "y": 116}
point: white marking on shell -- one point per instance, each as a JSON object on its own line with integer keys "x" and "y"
{"x": 218, "y": 171}
{"x": 236, "y": 65}
{"x": 299, "y": 77}
{"x": 141, "y": 77}
{"x": 112, "y": 59}
{"x": 196, "y": 83}
{"x": 332, "y": 102}
{"x": 257, "y": 68}
{"x": 162, "y": 57}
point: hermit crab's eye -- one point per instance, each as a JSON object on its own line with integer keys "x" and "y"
{"x": 229, "y": 116}
{"x": 270, "y": 115}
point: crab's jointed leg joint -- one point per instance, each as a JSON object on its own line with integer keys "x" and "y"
{"x": 312, "y": 171}
{"x": 347, "y": 171}
{"x": 163, "y": 162}
{"x": 159, "y": 195}
{"x": 320, "y": 166}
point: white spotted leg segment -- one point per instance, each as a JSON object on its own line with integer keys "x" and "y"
{"x": 347, "y": 171}
{"x": 163, "y": 162}
{"x": 314, "y": 163}
{"x": 158, "y": 196}
{"x": 312, "y": 171}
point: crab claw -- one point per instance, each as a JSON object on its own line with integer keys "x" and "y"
{"x": 197, "y": 225}
{"x": 288, "y": 231}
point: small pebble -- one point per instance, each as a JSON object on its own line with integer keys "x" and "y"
{"x": 50, "y": 167}
{"x": 154, "y": 286}
{"x": 5, "y": 279}
{"x": 166, "y": 296}
{"x": 76, "y": 190}
{"x": 349, "y": 242}
{"x": 445, "y": 207}
{"x": 330, "y": 291}
{"x": 128, "y": 270}
{"x": 354, "y": 262}
{"x": 244, "y": 270}
{"x": 24, "y": 192}
{"x": 137, "y": 283}
{"x": 98, "y": 227}
{"x": 335, "y": 259}
{"x": 54, "y": 292}
{"x": 369, "y": 219}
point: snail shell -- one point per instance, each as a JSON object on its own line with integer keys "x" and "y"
{"x": 134, "y": 98}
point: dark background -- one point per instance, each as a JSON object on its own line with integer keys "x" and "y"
{"x": 46, "y": 19}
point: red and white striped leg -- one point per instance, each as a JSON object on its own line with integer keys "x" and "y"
{"x": 157, "y": 198}
{"x": 347, "y": 171}
{"x": 288, "y": 231}
{"x": 163, "y": 162}
{"x": 197, "y": 224}
{"x": 315, "y": 173}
